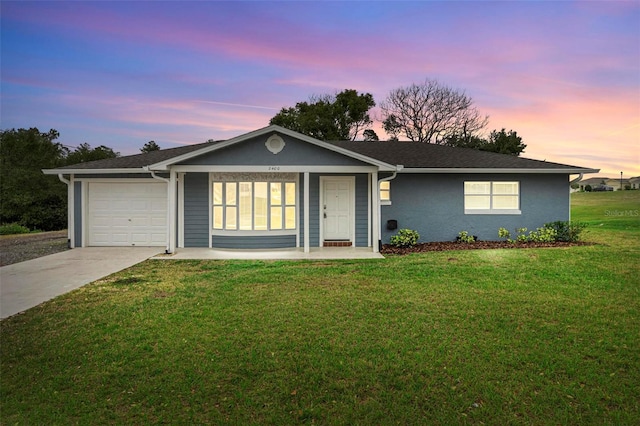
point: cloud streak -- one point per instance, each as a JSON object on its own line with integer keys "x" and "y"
{"x": 564, "y": 75}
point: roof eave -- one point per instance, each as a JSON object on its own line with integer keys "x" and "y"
{"x": 497, "y": 170}
{"x": 92, "y": 171}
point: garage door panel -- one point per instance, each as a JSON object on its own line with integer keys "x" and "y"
{"x": 127, "y": 213}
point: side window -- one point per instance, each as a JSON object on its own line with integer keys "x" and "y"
{"x": 385, "y": 192}
{"x": 483, "y": 197}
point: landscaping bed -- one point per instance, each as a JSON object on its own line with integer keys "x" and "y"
{"x": 478, "y": 245}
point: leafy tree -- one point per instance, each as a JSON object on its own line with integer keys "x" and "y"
{"x": 84, "y": 153}
{"x": 430, "y": 112}
{"x": 329, "y": 117}
{"x": 370, "y": 135}
{"x": 29, "y": 197}
{"x": 504, "y": 143}
{"x": 499, "y": 141}
{"x": 150, "y": 146}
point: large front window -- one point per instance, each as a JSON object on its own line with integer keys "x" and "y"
{"x": 267, "y": 204}
{"x": 483, "y": 197}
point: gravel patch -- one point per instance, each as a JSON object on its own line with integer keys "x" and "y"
{"x": 21, "y": 247}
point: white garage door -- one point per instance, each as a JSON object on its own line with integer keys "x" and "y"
{"x": 127, "y": 214}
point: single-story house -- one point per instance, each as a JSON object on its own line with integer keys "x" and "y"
{"x": 276, "y": 188}
{"x": 611, "y": 184}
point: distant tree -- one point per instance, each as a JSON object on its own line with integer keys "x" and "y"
{"x": 430, "y": 112}
{"x": 84, "y": 153}
{"x": 499, "y": 141}
{"x": 329, "y": 117}
{"x": 27, "y": 196}
{"x": 473, "y": 142}
{"x": 505, "y": 143}
{"x": 370, "y": 135}
{"x": 150, "y": 146}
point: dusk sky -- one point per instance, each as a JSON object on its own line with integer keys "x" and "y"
{"x": 564, "y": 75}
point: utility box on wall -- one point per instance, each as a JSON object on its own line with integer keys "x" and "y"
{"x": 392, "y": 224}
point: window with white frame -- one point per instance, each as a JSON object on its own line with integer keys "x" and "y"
{"x": 385, "y": 192}
{"x": 253, "y": 205}
{"x": 484, "y": 197}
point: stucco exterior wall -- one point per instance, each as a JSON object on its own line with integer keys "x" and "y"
{"x": 433, "y": 205}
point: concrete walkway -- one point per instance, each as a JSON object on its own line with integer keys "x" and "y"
{"x": 28, "y": 284}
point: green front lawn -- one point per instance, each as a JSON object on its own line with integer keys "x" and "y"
{"x": 532, "y": 336}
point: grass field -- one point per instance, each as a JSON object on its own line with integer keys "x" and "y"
{"x": 531, "y": 336}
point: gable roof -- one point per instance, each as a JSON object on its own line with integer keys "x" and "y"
{"x": 412, "y": 157}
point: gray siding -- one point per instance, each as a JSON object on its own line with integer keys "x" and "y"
{"x": 314, "y": 210}
{"x": 362, "y": 210}
{"x": 77, "y": 213}
{"x": 433, "y": 205}
{"x": 300, "y": 207}
{"x": 196, "y": 210}
{"x": 258, "y": 242}
{"x": 253, "y": 152}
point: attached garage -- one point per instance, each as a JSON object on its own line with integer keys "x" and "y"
{"x": 126, "y": 214}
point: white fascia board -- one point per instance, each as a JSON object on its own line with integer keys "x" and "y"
{"x": 275, "y": 169}
{"x": 501, "y": 171}
{"x": 163, "y": 165}
{"x": 92, "y": 171}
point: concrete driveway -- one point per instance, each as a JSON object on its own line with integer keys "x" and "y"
{"x": 28, "y": 284}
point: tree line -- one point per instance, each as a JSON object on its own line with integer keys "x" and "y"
{"x": 430, "y": 112}
{"x": 27, "y": 196}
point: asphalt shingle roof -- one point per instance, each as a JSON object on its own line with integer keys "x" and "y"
{"x": 428, "y": 156}
{"x": 138, "y": 161}
{"x": 408, "y": 154}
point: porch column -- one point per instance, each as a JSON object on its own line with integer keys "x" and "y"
{"x": 180, "y": 209}
{"x": 71, "y": 202}
{"x": 306, "y": 212}
{"x": 375, "y": 207}
{"x": 171, "y": 210}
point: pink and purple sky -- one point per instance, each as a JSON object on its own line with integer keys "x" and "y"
{"x": 564, "y": 75}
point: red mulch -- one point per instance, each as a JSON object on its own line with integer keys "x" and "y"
{"x": 478, "y": 245}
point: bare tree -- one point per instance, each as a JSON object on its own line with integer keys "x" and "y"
{"x": 430, "y": 112}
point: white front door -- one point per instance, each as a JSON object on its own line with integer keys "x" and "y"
{"x": 337, "y": 207}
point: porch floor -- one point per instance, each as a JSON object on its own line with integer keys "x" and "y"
{"x": 273, "y": 254}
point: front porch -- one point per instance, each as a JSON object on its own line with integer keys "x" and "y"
{"x": 320, "y": 253}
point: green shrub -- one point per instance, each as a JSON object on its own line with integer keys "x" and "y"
{"x": 567, "y": 231}
{"x": 405, "y": 238}
{"x": 464, "y": 237}
{"x": 521, "y": 235}
{"x": 546, "y": 234}
{"x": 504, "y": 233}
{"x": 543, "y": 235}
{"x": 13, "y": 228}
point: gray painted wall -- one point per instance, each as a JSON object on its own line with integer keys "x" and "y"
{"x": 196, "y": 210}
{"x": 253, "y": 152}
{"x": 433, "y": 205}
{"x": 77, "y": 213}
